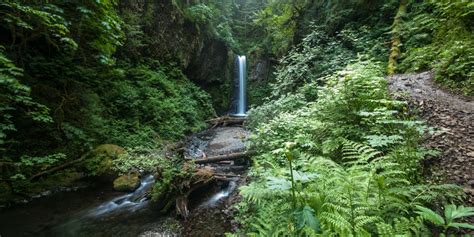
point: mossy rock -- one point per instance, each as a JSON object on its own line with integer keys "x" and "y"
{"x": 127, "y": 182}
{"x": 100, "y": 160}
{"x": 109, "y": 150}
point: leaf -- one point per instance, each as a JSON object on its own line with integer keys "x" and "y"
{"x": 461, "y": 225}
{"x": 461, "y": 211}
{"x": 303, "y": 177}
{"x": 430, "y": 215}
{"x": 383, "y": 140}
{"x": 306, "y": 217}
{"x": 275, "y": 183}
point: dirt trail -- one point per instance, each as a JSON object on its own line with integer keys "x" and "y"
{"x": 453, "y": 116}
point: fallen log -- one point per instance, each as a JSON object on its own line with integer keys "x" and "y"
{"x": 225, "y": 179}
{"x": 226, "y": 175}
{"x": 226, "y": 120}
{"x": 231, "y": 156}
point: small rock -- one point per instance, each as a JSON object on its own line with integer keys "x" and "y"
{"x": 471, "y": 183}
{"x": 417, "y": 91}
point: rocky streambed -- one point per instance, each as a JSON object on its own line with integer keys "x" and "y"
{"x": 101, "y": 211}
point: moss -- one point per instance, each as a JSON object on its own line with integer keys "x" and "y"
{"x": 109, "y": 150}
{"x": 127, "y": 182}
{"x": 100, "y": 161}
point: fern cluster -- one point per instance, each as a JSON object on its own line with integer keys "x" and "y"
{"x": 355, "y": 165}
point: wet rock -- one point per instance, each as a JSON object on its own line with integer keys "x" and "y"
{"x": 127, "y": 182}
{"x": 259, "y": 70}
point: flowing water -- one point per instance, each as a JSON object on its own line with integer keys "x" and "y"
{"x": 98, "y": 211}
{"x": 128, "y": 202}
{"x": 241, "y": 95}
{"x": 216, "y": 198}
{"x": 101, "y": 211}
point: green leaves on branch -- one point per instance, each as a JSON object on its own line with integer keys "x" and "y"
{"x": 15, "y": 99}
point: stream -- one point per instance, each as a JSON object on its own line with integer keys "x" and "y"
{"x": 100, "y": 211}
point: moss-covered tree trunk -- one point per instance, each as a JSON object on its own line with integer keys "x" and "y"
{"x": 396, "y": 37}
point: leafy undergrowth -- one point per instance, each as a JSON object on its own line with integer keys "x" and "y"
{"x": 438, "y": 35}
{"x": 72, "y": 77}
{"x": 346, "y": 164}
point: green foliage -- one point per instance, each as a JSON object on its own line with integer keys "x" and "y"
{"x": 278, "y": 19}
{"x": 318, "y": 55}
{"x": 329, "y": 174}
{"x": 15, "y": 99}
{"x": 172, "y": 173}
{"x": 451, "y": 213}
{"x": 438, "y": 36}
{"x": 199, "y": 13}
{"x": 64, "y": 91}
{"x": 137, "y": 159}
{"x": 156, "y": 101}
{"x": 29, "y": 165}
{"x": 47, "y": 20}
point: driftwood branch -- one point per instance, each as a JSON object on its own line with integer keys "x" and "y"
{"x": 231, "y": 156}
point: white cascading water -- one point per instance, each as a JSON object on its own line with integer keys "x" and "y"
{"x": 242, "y": 103}
{"x": 214, "y": 200}
{"x": 127, "y": 200}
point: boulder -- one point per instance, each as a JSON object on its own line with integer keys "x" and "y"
{"x": 127, "y": 182}
{"x": 99, "y": 162}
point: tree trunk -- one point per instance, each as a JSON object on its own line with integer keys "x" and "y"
{"x": 396, "y": 38}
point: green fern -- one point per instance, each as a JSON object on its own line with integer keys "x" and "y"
{"x": 451, "y": 213}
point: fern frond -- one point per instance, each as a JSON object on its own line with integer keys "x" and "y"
{"x": 337, "y": 221}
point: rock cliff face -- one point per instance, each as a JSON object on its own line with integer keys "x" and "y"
{"x": 170, "y": 36}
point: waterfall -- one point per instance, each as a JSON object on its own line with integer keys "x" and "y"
{"x": 241, "y": 96}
